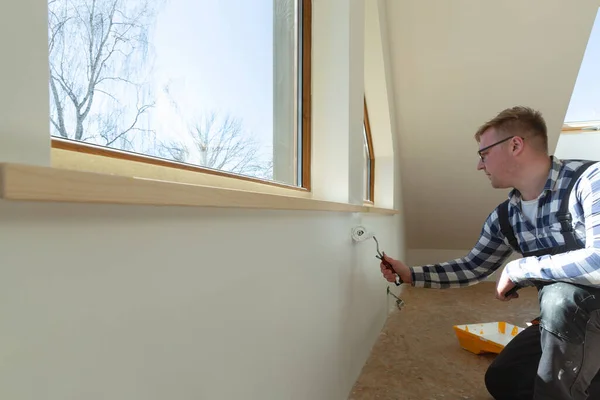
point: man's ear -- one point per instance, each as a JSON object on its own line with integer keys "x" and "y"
{"x": 517, "y": 144}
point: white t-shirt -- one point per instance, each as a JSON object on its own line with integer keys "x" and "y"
{"x": 530, "y": 208}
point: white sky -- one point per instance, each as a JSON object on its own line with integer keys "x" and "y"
{"x": 198, "y": 53}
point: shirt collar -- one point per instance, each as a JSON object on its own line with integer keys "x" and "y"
{"x": 551, "y": 183}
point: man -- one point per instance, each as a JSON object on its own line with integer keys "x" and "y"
{"x": 560, "y": 357}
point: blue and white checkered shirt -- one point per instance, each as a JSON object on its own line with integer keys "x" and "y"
{"x": 580, "y": 266}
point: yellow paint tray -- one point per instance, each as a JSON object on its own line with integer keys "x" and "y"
{"x": 489, "y": 337}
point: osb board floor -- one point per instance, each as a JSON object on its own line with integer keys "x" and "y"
{"x": 417, "y": 356}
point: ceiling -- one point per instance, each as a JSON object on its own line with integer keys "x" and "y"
{"x": 455, "y": 65}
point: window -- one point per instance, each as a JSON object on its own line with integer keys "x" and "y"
{"x": 584, "y": 106}
{"x": 214, "y": 86}
{"x": 368, "y": 159}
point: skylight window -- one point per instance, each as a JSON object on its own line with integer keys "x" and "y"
{"x": 584, "y": 107}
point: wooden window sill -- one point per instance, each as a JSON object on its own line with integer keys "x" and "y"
{"x": 49, "y": 184}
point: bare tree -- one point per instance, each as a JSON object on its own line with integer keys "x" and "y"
{"x": 98, "y": 48}
{"x": 99, "y": 55}
{"x": 174, "y": 150}
{"x": 220, "y": 144}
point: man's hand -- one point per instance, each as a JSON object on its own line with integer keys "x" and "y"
{"x": 503, "y": 286}
{"x": 399, "y": 268}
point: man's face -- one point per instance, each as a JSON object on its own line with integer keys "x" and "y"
{"x": 494, "y": 157}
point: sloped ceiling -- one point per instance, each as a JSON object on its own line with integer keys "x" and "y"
{"x": 455, "y": 65}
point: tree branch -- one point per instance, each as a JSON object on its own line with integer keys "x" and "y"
{"x": 94, "y": 43}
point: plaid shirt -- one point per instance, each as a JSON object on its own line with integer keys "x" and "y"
{"x": 581, "y": 266}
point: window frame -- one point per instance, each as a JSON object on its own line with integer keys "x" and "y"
{"x": 371, "y": 173}
{"x": 581, "y": 127}
{"x": 304, "y": 51}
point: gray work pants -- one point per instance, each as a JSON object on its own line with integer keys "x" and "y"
{"x": 557, "y": 359}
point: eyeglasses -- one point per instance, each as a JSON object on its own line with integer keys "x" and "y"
{"x": 480, "y": 152}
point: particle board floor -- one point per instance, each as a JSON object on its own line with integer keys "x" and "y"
{"x": 417, "y": 356}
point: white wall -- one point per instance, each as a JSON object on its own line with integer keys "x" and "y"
{"x": 584, "y": 146}
{"x": 131, "y": 302}
{"x": 24, "y": 73}
{"x": 118, "y": 302}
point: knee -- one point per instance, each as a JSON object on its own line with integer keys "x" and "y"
{"x": 496, "y": 382}
{"x": 562, "y": 312}
{"x": 555, "y": 305}
{"x": 557, "y": 298}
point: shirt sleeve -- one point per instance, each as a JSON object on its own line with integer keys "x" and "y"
{"x": 580, "y": 266}
{"x": 489, "y": 253}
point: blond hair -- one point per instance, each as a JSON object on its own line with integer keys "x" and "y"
{"x": 519, "y": 121}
